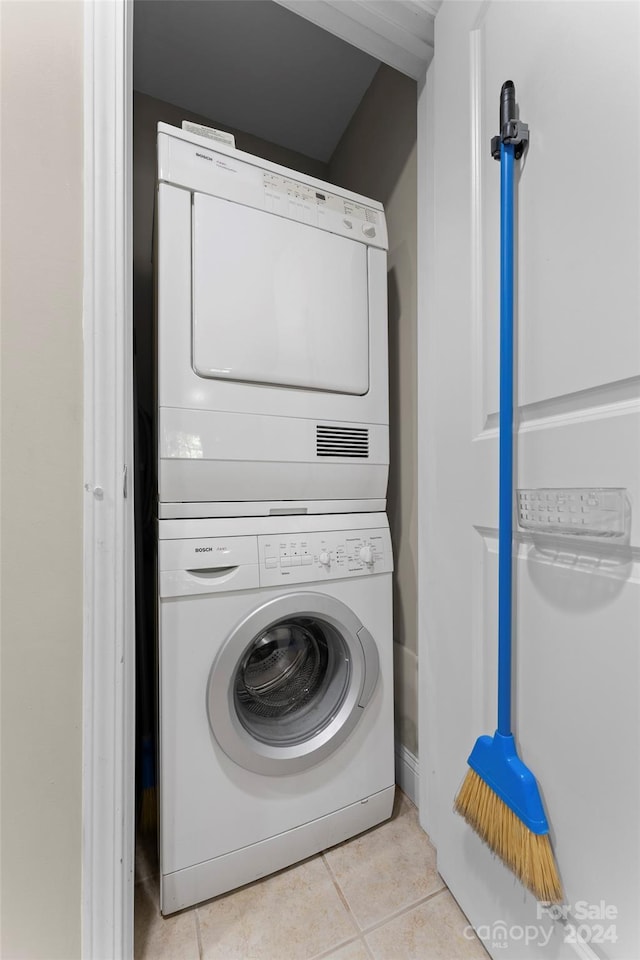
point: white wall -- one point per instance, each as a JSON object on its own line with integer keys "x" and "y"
{"x": 41, "y": 463}
{"x": 377, "y": 157}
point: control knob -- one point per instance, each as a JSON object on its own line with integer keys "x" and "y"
{"x": 324, "y": 558}
{"x": 366, "y": 554}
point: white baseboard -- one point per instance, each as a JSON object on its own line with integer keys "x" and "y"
{"x": 407, "y": 775}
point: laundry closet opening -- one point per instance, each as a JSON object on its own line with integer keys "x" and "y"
{"x": 293, "y": 94}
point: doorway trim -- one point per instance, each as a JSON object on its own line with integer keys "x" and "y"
{"x": 108, "y": 766}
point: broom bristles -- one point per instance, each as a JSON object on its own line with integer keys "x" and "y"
{"x": 527, "y": 854}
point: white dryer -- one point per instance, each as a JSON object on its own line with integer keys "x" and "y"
{"x": 272, "y": 337}
{"x": 276, "y": 694}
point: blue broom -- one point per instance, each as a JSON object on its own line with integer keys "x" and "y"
{"x": 500, "y": 798}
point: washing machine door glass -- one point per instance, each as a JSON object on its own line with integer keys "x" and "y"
{"x": 291, "y": 682}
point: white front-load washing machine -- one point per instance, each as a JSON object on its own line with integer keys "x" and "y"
{"x": 276, "y": 694}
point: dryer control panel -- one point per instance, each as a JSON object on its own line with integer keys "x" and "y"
{"x": 205, "y": 166}
{"x": 319, "y": 207}
{"x": 312, "y": 557}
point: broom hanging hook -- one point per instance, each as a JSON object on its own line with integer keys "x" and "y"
{"x": 512, "y": 130}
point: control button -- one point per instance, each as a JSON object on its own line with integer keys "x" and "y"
{"x": 324, "y": 558}
{"x": 270, "y": 563}
{"x": 368, "y": 231}
{"x": 295, "y": 561}
{"x": 306, "y": 560}
{"x": 285, "y": 561}
{"x": 366, "y": 555}
{"x": 348, "y": 224}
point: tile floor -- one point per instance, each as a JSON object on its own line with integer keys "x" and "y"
{"x": 375, "y": 897}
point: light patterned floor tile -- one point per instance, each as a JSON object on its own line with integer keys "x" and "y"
{"x": 159, "y": 938}
{"x": 294, "y": 915}
{"x": 387, "y": 868}
{"x": 356, "y": 950}
{"x": 436, "y": 929}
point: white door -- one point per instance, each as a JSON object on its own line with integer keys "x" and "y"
{"x": 577, "y": 611}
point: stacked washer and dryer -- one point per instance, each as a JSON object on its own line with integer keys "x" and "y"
{"x": 274, "y": 555}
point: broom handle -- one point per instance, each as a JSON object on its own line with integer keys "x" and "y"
{"x": 505, "y": 559}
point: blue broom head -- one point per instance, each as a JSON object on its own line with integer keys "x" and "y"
{"x": 495, "y": 760}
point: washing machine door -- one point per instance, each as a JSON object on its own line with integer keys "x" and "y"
{"x": 290, "y": 683}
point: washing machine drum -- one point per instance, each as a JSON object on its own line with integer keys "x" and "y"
{"x": 290, "y": 683}
{"x": 286, "y": 671}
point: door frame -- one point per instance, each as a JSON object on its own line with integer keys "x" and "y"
{"x": 108, "y": 774}
{"x": 108, "y": 766}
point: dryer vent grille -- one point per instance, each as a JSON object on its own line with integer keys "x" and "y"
{"x": 342, "y": 441}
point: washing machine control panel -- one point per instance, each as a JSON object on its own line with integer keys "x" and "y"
{"x": 308, "y": 557}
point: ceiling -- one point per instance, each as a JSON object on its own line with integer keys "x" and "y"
{"x": 252, "y": 65}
